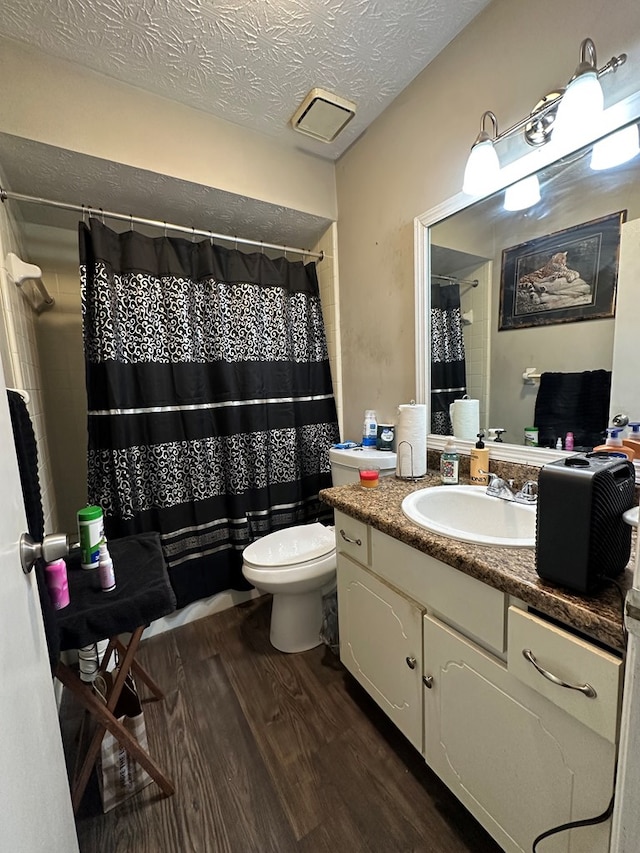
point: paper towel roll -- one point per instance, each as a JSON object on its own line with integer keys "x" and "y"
{"x": 411, "y": 441}
{"x": 465, "y": 417}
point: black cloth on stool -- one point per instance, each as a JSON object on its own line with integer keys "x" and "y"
{"x": 142, "y": 594}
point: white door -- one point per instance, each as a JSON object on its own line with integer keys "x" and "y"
{"x": 35, "y": 805}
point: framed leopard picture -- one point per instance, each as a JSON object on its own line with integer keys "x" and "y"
{"x": 562, "y": 277}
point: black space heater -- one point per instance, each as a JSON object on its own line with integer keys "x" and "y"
{"x": 580, "y": 534}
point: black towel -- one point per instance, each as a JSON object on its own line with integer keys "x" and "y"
{"x": 27, "y": 453}
{"x": 573, "y": 402}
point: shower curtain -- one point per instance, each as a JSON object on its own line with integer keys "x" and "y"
{"x": 211, "y": 409}
{"x": 448, "y": 372}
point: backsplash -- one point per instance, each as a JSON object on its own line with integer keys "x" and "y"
{"x": 515, "y": 471}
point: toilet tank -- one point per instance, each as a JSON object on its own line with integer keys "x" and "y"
{"x": 345, "y": 463}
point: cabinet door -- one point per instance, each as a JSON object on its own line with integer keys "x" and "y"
{"x": 519, "y": 763}
{"x": 381, "y": 645}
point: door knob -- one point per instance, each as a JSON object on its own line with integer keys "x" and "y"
{"x": 52, "y": 547}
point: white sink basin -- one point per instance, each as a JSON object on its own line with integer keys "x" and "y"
{"x": 468, "y": 514}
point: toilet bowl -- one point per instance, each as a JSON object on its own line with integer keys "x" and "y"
{"x": 298, "y": 567}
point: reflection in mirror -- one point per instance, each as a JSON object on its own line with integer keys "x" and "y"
{"x": 531, "y": 310}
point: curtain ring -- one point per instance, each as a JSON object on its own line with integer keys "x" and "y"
{"x": 235, "y": 242}
{"x": 84, "y": 221}
{"x": 102, "y": 215}
{"x": 193, "y": 234}
{"x": 165, "y": 229}
{"x": 261, "y": 247}
{"x": 131, "y": 222}
{"x": 211, "y": 238}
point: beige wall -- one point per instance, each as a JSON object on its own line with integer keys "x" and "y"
{"x": 413, "y": 158}
{"x": 65, "y": 105}
{"x": 18, "y": 325}
{"x": 328, "y": 281}
{"x": 62, "y": 366}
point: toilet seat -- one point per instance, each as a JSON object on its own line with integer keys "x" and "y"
{"x": 291, "y": 548}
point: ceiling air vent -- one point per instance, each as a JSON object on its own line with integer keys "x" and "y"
{"x": 323, "y": 115}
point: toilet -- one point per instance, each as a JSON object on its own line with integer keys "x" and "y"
{"x": 298, "y": 565}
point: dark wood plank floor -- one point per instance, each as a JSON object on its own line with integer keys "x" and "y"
{"x": 271, "y": 752}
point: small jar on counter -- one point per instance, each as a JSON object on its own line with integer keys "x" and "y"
{"x": 369, "y": 477}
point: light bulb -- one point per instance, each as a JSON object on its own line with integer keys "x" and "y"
{"x": 617, "y": 148}
{"x": 482, "y": 169}
{"x": 581, "y": 105}
{"x": 523, "y": 194}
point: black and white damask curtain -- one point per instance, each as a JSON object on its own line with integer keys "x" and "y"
{"x": 448, "y": 371}
{"x": 211, "y": 409}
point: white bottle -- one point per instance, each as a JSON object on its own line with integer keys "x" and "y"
{"x": 369, "y": 429}
{"x": 105, "y": 569}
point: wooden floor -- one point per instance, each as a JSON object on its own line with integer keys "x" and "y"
{"x": 271, "y": 752}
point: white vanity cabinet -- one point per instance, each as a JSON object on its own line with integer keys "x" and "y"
{"x": 441, "y": 653}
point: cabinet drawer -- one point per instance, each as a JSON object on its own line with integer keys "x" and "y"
{"x": 352, "y": 538}
{"x": 574, "y": 661}
{"x": 478, "y": 610}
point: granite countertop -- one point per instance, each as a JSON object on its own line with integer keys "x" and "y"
{"x": 510, "y": 570}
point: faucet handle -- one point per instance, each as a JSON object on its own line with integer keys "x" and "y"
{"x": 492, "y": 477}
{"x": 528, "y": 494}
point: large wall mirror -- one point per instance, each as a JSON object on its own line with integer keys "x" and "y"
{"x": 550, "y": 289}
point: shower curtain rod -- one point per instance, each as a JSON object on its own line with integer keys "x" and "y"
{"x": 154, "y": 223}
{"x": 450, "y": 278}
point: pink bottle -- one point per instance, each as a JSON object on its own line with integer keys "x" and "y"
{"x": 57, "y": 583}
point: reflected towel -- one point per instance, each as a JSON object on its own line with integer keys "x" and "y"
{"x": 573, "y": 402}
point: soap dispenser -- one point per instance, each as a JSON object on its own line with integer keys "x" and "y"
{"x": 633, "y": 441}
{"x": 613, "y": 444}
{"x": 479, "y": 463}
{"x": 449, "y": 464}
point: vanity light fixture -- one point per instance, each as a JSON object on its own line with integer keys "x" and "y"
{"x": 566, "y": 116}
{"x": 483, "y": 167}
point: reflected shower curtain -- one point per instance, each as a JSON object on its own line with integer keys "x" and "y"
{"x": 448, "y": 372}
{"x": 211, "y": 410}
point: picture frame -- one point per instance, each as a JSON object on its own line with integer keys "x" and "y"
{"x": 563, "y": 277}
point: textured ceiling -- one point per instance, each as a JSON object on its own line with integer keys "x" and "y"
{"x": 250, "y": 62}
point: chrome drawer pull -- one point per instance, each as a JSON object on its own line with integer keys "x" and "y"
{"x": 411, "y": 662}
{"x": 587, "y": 689}
{"x": 350, "y": 541}
{"x": 427, "y": 680}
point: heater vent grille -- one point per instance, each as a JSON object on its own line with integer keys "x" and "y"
{"x": 323, "y": 115}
